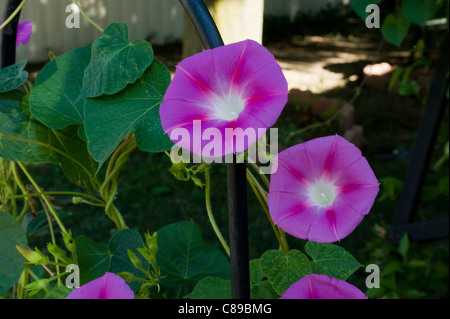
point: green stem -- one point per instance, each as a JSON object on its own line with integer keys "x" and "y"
{"x": 210, "y": 214}
{"x": 44, "y": 198}
{"x": 52, "y": 235}
{"x": 99, "y": 201}
{"x": 263, "y": 205}
{"x": 116, "y": 153}
{"x": 117, "y": 166}
{"x": 87, "y": 17}
{"x": 17, "y": 138}
{"x": 112, "y": 211}
{"x": 261, "y": 195}
{"x": 263, "y": 177}
{"x": 23, "y": 190}
{"x": 108, "y": 189}
{"x": 5, "y": 23}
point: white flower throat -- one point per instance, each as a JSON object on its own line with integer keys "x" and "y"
{"x": 229, "y": 106}
{"x": 322, "y": 193}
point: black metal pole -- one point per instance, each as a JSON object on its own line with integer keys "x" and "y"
{"x": 238, "y": 224}
{"x": 9, "y": 34}
{"x": 236, "y": 173}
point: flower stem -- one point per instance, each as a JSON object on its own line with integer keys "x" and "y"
{"x": 24, "y": 192}
{"x": 210, "y": 214}
{"x": 19, "y": 7}
{"x": 87, "y": 17}
{"x": 44, "y": 198}
{"x": 261, "y": 195}
{"x": 99, "y": 202}
{"x": 263, "y": 177}
{"x": 52, "y": 234}
{"x": 108, "y": 190}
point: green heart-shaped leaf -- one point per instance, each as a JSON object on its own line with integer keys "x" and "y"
{"x": 25, "y": 139}
{"x": 395, "y": 27}
{"x": 331, "y": 260}
{"x": 420, "y": 11}
{"x": 115, "y": 62}
{"x": 95, "y": 259}
{"x": 109, "y": 119}
{"x": 12, "y": 262}
{"x": 13, "y": 76}
{"x": 211, "y": 288}
{"x": 53, "y": 99}
{"x": 283, "y": 270}
{"x": 184, "y": 257}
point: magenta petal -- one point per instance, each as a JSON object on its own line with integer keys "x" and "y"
{"x": 346, "y": 219}
{"x": 237, "y": 86}
{"x": 322, "y": 287}
{"x": 301, "y": 219}
{"x": 293, "y": 167}
{"x": 109, "y": 286}
{"x": 266, "y": 108}
{"x": 321, "y": 189}
{"x": 298, "y": 218}
{"x": 24, "y": 31}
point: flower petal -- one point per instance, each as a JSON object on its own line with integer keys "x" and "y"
{"x": 236, "y": 86}
{"x": 322, "y": 189}
{"x": 109, "y": 286}
{"x": 24, "y": 31}
{"x": 322, "y": 287}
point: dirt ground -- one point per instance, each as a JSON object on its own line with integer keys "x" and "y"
{"x": 314, "y": 63}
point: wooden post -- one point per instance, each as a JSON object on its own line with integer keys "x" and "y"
{"x": 236, "y": 20}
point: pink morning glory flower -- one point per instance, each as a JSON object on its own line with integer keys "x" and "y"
{"x": 322, "y": 287}
{"x": 237, "y": 88}
{"x": 322, "y": 189}
{"x": 109, "y": 286}
{"x": 24, "y": 30}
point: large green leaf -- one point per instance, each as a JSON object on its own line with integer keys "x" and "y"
{"x": 212, "y": 288}
{"x": 11, "y": 261}
{"x": 115, "y": 62}
{"x": 260, "y": 288}
{"x": 53, "y": 99}
{"x": 359, "y": 6}
{"x": 95, "y": 259}
{"x": 331, "y": 260}
{"x": 109, "y": 119}
{"x": 283, "y": 270}
{"x": 184, "y": 257}
{"x": 420, "y": 11}
{"x": 13, "y": 76}
{"x": 24, "y": 139}
{"x": 60, "y": 292}
{"x": 395, "y": 27}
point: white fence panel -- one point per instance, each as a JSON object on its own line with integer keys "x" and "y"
{"x": 159, "y": 21}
